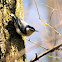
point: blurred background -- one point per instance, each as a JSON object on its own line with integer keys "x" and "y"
{"x": 50, "y": 12}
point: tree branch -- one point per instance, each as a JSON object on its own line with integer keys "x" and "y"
{"x": 46, "y": 52}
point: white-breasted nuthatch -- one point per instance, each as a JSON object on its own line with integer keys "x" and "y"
{"x": 22, "y": 28}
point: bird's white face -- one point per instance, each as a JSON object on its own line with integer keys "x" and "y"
{"x": 29, "y": 31}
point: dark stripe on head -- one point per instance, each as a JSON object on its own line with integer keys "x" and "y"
{"x": 30, "y": 27}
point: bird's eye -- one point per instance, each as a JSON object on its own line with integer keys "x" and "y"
{"x": 31, "y": 29}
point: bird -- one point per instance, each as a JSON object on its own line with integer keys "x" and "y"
{"x": 22, "y": 28}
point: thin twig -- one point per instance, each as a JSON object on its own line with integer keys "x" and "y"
{"x": 36, "y": 44}
{"x": 55, "y": 57}
{"x": 50, "y": 7}
{"x": 37, "y": 9}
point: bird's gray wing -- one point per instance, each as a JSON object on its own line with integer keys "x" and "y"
{"x": 20, "y": 25}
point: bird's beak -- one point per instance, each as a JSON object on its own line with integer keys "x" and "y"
{"x": 36, "y": 31}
